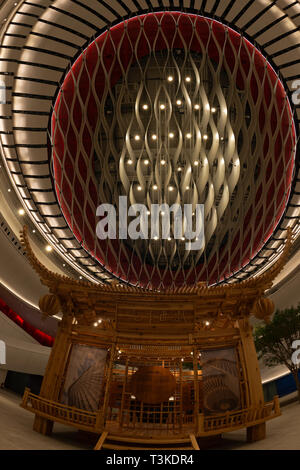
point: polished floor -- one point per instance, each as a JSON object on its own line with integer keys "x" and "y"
{"x": 16, "y": 431}
{"x": 283, "y": 433}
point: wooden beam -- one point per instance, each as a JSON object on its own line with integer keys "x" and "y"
{"x": 101, "y": 440}
{"x": 194, "y": 442}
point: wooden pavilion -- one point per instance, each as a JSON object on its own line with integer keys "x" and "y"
{"x": 153, "y": 369}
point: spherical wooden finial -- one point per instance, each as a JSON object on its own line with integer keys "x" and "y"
{"x": 50, "y": 305}
{"x": 263, "y": 309}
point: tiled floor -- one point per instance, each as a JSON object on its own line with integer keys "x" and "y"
{"x": 16, "y": 431}
{"x": 283, "y": 433}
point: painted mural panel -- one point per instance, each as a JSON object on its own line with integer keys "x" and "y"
{"x": 84, "y": 377}
{"x": 221, "y": 387}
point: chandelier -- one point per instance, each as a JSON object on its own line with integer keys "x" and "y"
{"x": 172, "y": 108}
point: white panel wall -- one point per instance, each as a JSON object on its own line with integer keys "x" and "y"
{"x": 23, "y": 353}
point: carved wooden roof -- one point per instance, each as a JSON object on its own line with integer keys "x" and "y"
{"x": 64, "y": 286}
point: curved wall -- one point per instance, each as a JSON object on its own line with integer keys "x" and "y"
{"x": 23, "y": 353}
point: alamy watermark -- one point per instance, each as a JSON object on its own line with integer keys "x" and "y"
{"x": 154, "y": 222}
{"x": 296, "y": 354}
{"x": 296, "y": 93}
{"x": 2, "y": 353}
{"x": 2, "y": 92}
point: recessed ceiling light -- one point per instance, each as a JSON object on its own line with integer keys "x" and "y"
{"x": 96, "y": 324}
{"x": 21, "y": 212}
{"x": 139, "y": 188}
{"x": 197, "y": 106}
{"x": 146, "y": 162}
{"x": 129, "y": 162}
{"x": 155, "y": 186}
{"x": 179, "y": 102}
{"x": 137, "y": 137}
{"x": 163, "y": 162}
{"x": 188, "y": 79}
{"x": 171, "y": 135}
{"x": 170, "y": 78}
{"x": 154, "y": 137}
{"x": 171, "y": 188}
{"x": 9, "y": 190}
{"x": 205, "y": 137}
{"x": 162, "y": 106}
{"x": 145, "y": 107}
{"x": 156, "y": 238}
{"x": 213, "y": 110}
{"x": 179, "y": 169}
{"x": 64, "y": 265}
{"x": 33, "y": 231}
{"x": 187, "y": 188}
{"x": 189, "y": 136}
{"x": 49, "y": 248}
{"x": 80, "y": 277}
{"x": 196, "y": 163}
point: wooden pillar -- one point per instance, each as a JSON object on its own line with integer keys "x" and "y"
{"x": 121, "y": 418}
{"x": 256, "y": 433}
{"x": 108, "y": 382}
{"x": 181, "y": 392}
{"x": 52, "y": 382}
{"x": 255, "y": 388}
{"x": 256, "y": 396}
{"x": 200, "y": 423}
{"x": 196, "y": 385}
{"x": 43, "y": 426}
{"x": 276, "y": 405}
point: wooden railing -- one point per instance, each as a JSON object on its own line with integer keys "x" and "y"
{"x": 204, "y": 426}
{"x": 238, "y": 419}
{"x": 81, "y": 419}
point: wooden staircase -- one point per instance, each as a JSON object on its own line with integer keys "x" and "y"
{"x": 116, "y": 442}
